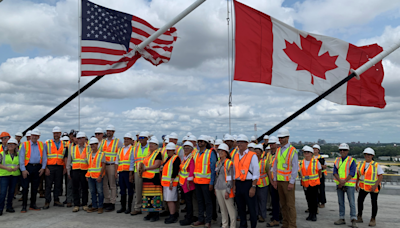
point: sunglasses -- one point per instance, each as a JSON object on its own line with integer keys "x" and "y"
{"x": 201, "y": 141}
{"x": 98, "y": 133}
{"x": 141, "y": 138}
{"x": 343, "y": 150}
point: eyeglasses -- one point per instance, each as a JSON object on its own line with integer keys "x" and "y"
{"x": 98, "y": 133}
{"x": 201, "y": 141}
{"x": 141, "y": 138}
{"x": 343, "y": 150}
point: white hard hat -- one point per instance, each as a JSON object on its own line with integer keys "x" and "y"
{"x": 185, "y": 138}
{"x": 266, "y": 137}
{"x": 171, "y": 146}
{"x": 138, "y": 132}
{"x": 344, "y": 146}
{"x": 188, "y": 143}
{"x": 12, "y": 140}
{"x": 252, "y": 138}
{"x": 218, "y": 142}
{"x": 189, "y": 134}
{"x": 251, "y": 145}
{"x": 81, "y": 134}
{"x": 202, "y": 138}
{"x": 28, "y": 133}
{"x": 235, "y": 137}
{"x": 173, "y": 135}
{"x": 19, "y": 134}
{"x": 93, "y": 140}
{"x": 228, "y": 137}
{"x": 268, "y": 147}
{"x": 316, "y": 146}
{"x": 65, "y": 138}
{"x": 273, "y": 139}
{"x": 242, "y": 138}
{"x": 167, "y": 140}
{"x": 110, "y": 128}
{"x": 278, "y": 143}
{"x": 259, "y": 146}
{"x": 192, "y": 138}
{"x": 308, "y": 149}
{"x": 144, "y": 134}
{"x": 223, "y": 146}
{"x": 367, "y": 150}
{"x": 98, "y": 130}
{"x": 56, "y": 129}
{"x": 154, "y": 140}
{"x": 35, "y": 132}
{"x": 211, "y": 141}
{"x": 128, "y": 135}
{"x": 283, "y": 132}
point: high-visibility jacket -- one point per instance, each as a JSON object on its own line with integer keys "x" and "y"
{"x": 55, "y": 156}
{"x": 27, "y": 146}
{"x": 227, "y": 165}
{"x": 124, "y": 160}
{"x": 183, "y": 169}
{"x": 202, "y": 169}
{"x": 79, "y": 159}
{"x": 309, "y": 176}
{"x": 167, "y": 172}
{"x": 242, "y": 165}
{"x": 343, "y": 168}
{"x": 95, "y": 165}
{"x": 272, "y": 163}
{"x": 164, "y": 154}
{"x": 233, "y": 153}
{"x": 263, "y": 180}
{"x": 110, "y": 150}
{"x": 284, "y": 163}
{"x": 324, "y": 171}
{"x": 140, "y": 155}
{"x": 149, "y": 161}
{"x": 369, "y": 176}
{"x": 9, "y": 162}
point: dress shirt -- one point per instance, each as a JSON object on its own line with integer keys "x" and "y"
{"x": 254, "y": 168}
{"x": 295, "y": 165}
{"x": 35, "y": 156}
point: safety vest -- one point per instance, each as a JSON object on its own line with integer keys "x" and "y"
{"x": 263, "y": 180}
{"x": 309, "y": 176}
{"x": 149, "y": 161}
{"x": 227, "y": 165}
{"x": 183, "y": 169}
{"x": 140, "y": 155}
{"x": 242, "y": 165}
{"x": 324, "y": 171}
{"x": 167, "y": 173}
{"x": 9, "y": 162}
{"x": 369, "y": 176}
{"x": 164, "y": 154}
{"x": 55, "y": 156}
{"x": 233, "y": 153}
{"x": 178, "y": 149}
{"x": 272, "y": 163}
{"x": 110, "y": 150}
{"x": 202, "y": 169}
{"x": 124, "y": 160}
{"x": 94, "y": 168}
{"x": 65, "y": 143}
{"x": 27, "y": 146}
{"x": 79, "y": 160}
{"x": 344, "y": 170}
{"x": 284, "y": 165}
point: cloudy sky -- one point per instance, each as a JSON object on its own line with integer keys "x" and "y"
{"x": 39, "y": 69}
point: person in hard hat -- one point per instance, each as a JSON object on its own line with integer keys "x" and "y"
{"x": 164, "y": 149}
{"x": 169, "y": 181}
{"x": 193, "y": 140}
{"x": 224, "y": 185}
{"x": 122, "y": 165}
{"x": 217, "y": 143}
{"x": 254, "y": 140}
{"x": 18, "y": 137}
{"x": 141, "y": 151}
{"x": 321, "y": 190}
{"x": 77, "y": 166}
{"x": 285, "y": 172}
{"x": 262, "y": 183}
{"x": 186, "y": 174}
{"x": 265, "y": 143}
{"x": 345, "y": 176}
{"x": 68, "y": 183}
{"x": 369, "y": 179}
{"x": 95, "y": 175}
{"x": 4, "y": 136}
{"x": 173, "y": 137}
{"x": 229, "y": 140}
{"x": 32, "y": 162}
{"x": 55, "y": 168}
{"x": 98, "y": 133}
{"x": 152, "y": 191}
{"x": 110, "y": 148}
{"x": 272, "y": 143}
{"x": 251, "y": 146}
{"x": 310, "y": 172}
{"x": 204, "y": 177}
{"x": 9, "y": 174}
{"x": 28, "y": 135}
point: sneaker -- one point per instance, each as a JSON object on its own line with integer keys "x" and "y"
{"x": 372, "y": 222}
{"x": 100, "y": 211}
{"x": 359, "y": 219}
{"x": 76, "y": 209}
{"x": 90, "y": 210}
{"x": 85, "y": 208}
{"x": 340, "y": 222}
{"x": 273, "y": 223}
{"x": 197, "y": 224}
{"x": 354, "y": 223}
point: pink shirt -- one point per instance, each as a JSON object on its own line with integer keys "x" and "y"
{"x": 190, "y": 178}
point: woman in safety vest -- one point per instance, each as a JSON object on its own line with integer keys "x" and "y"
{"x": 169, "y": 181}
{"x": 224, "y": 184}
{"x": 310, "y": 170}
{"x": 262, "y": 183}
{"x": 9, "y": 174}
{"x": 186, "y": 174}
{"x": 369, "y": 180}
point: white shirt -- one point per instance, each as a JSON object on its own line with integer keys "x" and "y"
{"x": 254, "y": 169}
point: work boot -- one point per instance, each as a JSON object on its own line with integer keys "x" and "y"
{"x": 130, "y": 199}
{"x": 123, "y": 204}
{"x": 90, "y": 210}
{"x": 58, "y": 204}
{"x": 261, "y": 219}
{"x": 309, "y": 217}
{"x": 314, "y": 217}
{"x": 354, "y": 223}
{"x": 372, "y": 222}
{"x": 273, "y": 223}
{"x": 359, "y": 219}
{"x": 100, "y": 211}
{"x": 321, "y": 205}
{"x": 185, "y": 222}
{"x": 23, "y": 210}
{"x": 155, "y": 217}
{"x": 34, "y": 208}
{"x": 136, "y": 213}
{"x": 147, "y": 217}
{"x": 11, "y": 210}
{"x": 110, "y": 208}
{"x": 46, "y": 206}
{"x": 340, "y": 222}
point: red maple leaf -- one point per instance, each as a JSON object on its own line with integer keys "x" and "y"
{"x": 308, "y": 59}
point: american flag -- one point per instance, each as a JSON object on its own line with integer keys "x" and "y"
{"x": 109, "y": 40}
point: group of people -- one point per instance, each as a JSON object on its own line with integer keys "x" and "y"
{"x": 240, "y": 175}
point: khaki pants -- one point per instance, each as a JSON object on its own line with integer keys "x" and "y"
{"x": 228, "y": 210}
{"x": 138, "y": 192}
{"x": 288, "y": 207}
{"x": 109, "y": 178}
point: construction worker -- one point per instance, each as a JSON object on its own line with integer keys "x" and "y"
{"x": 173, "y": 137}
{"x": 274, "y": 192}
{"x": 251, "y": 146}
{"x": 55, "y": 168}
{"x": 163, "y": 150}
{"x": 98, "y": 133}
{"x": 4, "y": 136}
{"x": 345, "y": 176}
{"x": 122, "y": 166}
{"x": 95, "y": 175}
{"x": 321, "y": 190}
{"x": 193, "y": 140}
{"x": 28, "y": 135}
{"x": 369, "y": 179}
{"x": 110, "y": 148}
{"x": 265, "y": 143}
{"x": 77, "y": 166}
{"x": 141, "y": 151}
{"x": 253, "y": 139}
{"x": 18, "y": 137}
{"x": 66, "y": 142}
{"x": 262, "y": 183}
{"x": 229, "y": 140}
{"x": 285, "y": 172}
{"x": 32, "y": 162}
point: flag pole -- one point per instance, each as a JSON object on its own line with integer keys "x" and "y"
{"x": 355, "y": 73}
{"x": 79, "y": 62}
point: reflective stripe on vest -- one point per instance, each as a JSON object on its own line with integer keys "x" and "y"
{"x": 344, "y": 170}
{"x": 124, "y": 160}
{"x": 55, "y": 156}
{"x": 9, "y": 162}
{"x": 227, "y": 165}
{"x": 324, "y": 171}
{"x": 263, "y": 180}
{"x": 183, "y": 173}
{"x": 242, "y": 165}
{"x": 233, "y": 153}
{"x": 140, "y": 155}
{"x": 284, "y": 173}
{"x": 27, "y": 145}
{"x": 164, "y": 154}
{"x": 79, "y": 160}
{"x": 149, "y": 161}
{"x": 167, "y": 173}
{"x": 202, "y": 169}
{"x": 94, "y": 167}
{"x": 110, "y": 150}
{"x": 309, "y": 176}
{"x": 369, "y": 176}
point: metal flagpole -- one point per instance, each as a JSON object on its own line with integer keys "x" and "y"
{"x": 355, "y": 73}
{"x": 79, "y": 62}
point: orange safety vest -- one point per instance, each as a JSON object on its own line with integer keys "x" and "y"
{"x": 95, "y": 165}
{"x": 79, "y": 160}
{"x": 242, "y": 165}
{"x": 164, "y": 154}
{"x": 284, "y": 159}
{"x": 324, "y": 171}
{"x": 263, "y": 180}
{"x": 140, "y": 155}
{"x": 227, "y": 165}
{"x": 149, "y": 161}
{"x": 124, "y": 160}
{"x": 110, "y": 150}
{"x": 183, "y": 169}
{"x": 27, "y": 146}
{"x": 369, "y": 176}
{"x": 167, "y": 173}
{"x": 272, "y": 163}
{"x": 309, "y": 176}
{"x": 233, "y": 153}
{"x": 202, "y": 169}
{"x": 55, "y": 156}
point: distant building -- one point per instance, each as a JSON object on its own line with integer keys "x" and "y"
{"x": 384, "y": 158}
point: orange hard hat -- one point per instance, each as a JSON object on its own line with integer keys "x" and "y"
{"x": 4, "y": 134}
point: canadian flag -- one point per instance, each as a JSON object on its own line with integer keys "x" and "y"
{"x": 272, "y": 52}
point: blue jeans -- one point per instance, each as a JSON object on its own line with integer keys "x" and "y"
{"x": 7, "y": 183}
{"x": 352, "y": 202}
{"x": 96, "y": 189}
